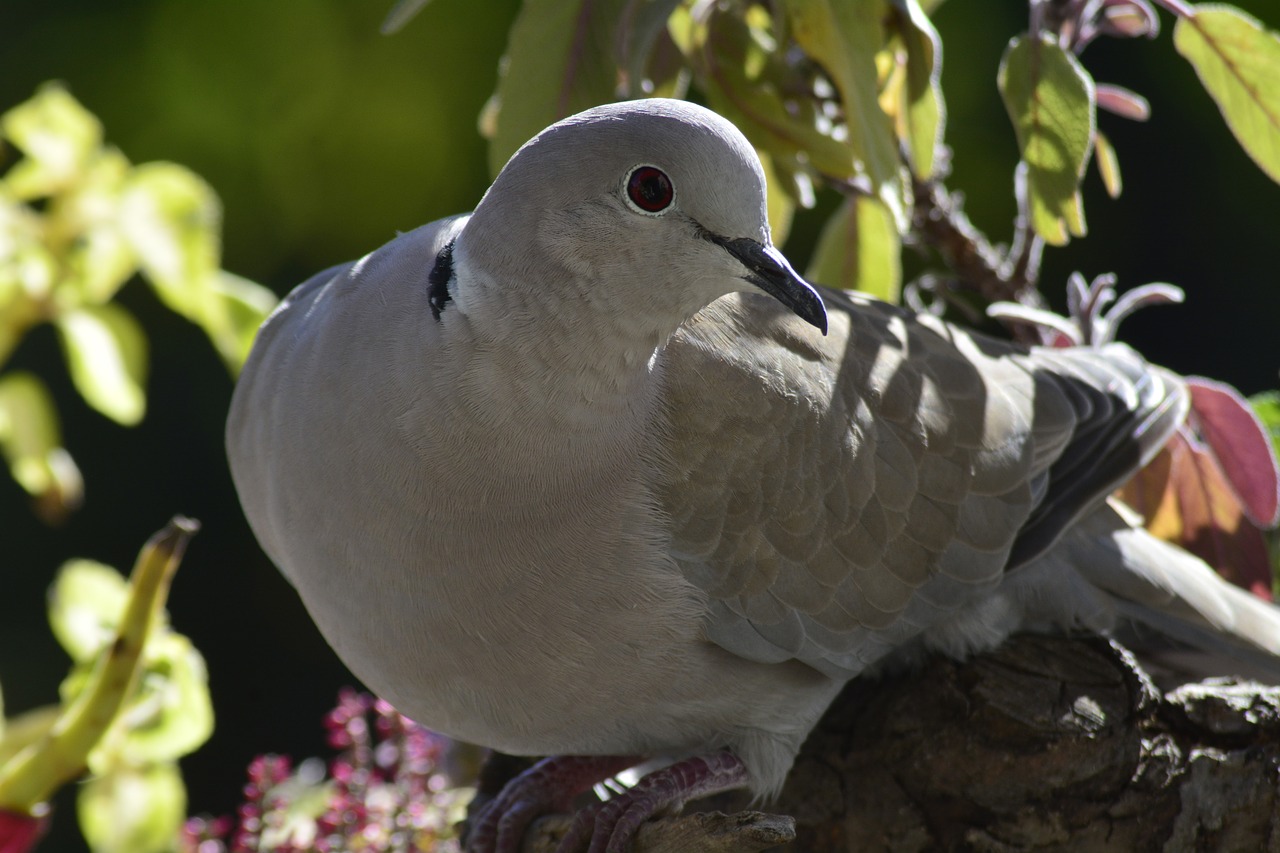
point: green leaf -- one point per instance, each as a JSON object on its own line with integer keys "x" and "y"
{"x": 1050, "y": 99}
{"x": 237, "y": 310}
{"x": 643, "y": 43}
{"x": 100, "y": 259}
{"x": 920, "y": 120}
{"x": 136, "y": 810}
{"x": 85, "y": 604}
{"x": 58, "y": 137}
{"x": 859, "y": 250}
{"x": 722, "y": 50}
{"x": 172, "y": 715}
{"x": 1108, "y": 165}
{"x": 559, "y": 61}
{"x": 1267, "y": 407}
{"x": 107, "y": 355}
{"x": 172, "y": 220}
{"x": 32, "y": 444}
{"x": 844, "y": 38}
{"x": 1238, "y": 62}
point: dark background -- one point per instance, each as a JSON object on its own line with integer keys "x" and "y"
{"x": 324, "y": 138}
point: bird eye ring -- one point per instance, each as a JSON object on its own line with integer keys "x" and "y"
{"x": 649, "y": 190}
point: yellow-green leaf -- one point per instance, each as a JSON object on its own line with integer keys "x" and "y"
{"x": 859, "y": 249}
{"x": 107, "y": 356}
{"x": 1238, "y": 61}
{"x": 172, "y": 219}
{"x": 559, "y": 61}
{"x": 1050, "y": 99}
{"x": 171, "y": 713}
{"x": 85, "y": 603}
{"x": 243, "y": 305}
{"x": 57, "y": 135}
{"x": 1108, "y": 165}
{"x": 920, "y": 120}
{"x": 32, "y": 444}
{"x": 133, "y": 810}
{"x": 721, "y": 48}
{"x": 844, "y": 38}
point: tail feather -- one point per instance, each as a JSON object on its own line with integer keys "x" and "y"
{"x": 1176, "y": 593}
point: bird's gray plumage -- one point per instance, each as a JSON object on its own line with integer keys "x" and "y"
{"x": 609, "y": 498}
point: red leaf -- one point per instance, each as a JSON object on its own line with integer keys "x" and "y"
{"x": 20, "y": 832}
{"x": 1214, "y": 526}
{"x": 1241, "y": 446}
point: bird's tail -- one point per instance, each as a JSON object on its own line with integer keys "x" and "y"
{"x": 1131, "y": 578}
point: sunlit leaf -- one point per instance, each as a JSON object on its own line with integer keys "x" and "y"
{"x": 644, "y": 47}
{"x": 559, "y": 61}
{"x": 1238, "y": 62}
{"x": 85, "y": 604}
{"x": 99, "y": 258}
{"x": 919, "y": 124}
{"x": 1108, "y": 165}
{"x": 57, "y": 135}
{"x": 720, "y": 48}
{"x": 1214, "y": 525}
{"x": 32, "y": 445}
{"x": 844, "y": 38}
{"x": 172, "y": 219}
{"x": 107, "y": 356}
{"x": 1241, "y": 445}
{"x": 1267, "y": 407}
{"x": 26, "y": 728}
{"x": 1049, "y": 97}
{"x": 235, "y": 308}
{"x": 136, "y": 810}
{"x": 859, "y": 250}
{"x": 1148, "y": 492}
{"x": 171, "y": 714}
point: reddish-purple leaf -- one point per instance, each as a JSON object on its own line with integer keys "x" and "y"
{"x": 1235, "y": 437}
{"x": 1213, "y": 524}
{"x": 20, "y": 832}
{"x": 1123, "y": 102}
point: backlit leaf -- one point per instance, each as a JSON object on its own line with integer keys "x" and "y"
{"x": 1214, "y": 525}
{"x": 1049, "y": 97}
{"x": 172, "y": 219}
{"x": 31, "y": 442}
{"x": 133, "y": 810}
{"x": 559, "y": 61}
{"x": 85, "y": 604}
{"x": 1267, "y": 407}
{"x": 920, "y": 121}
{"x": 58, "y": 137}
{"x": 1238, "y": 62}
{"x": 107, "y": 356}
{"x": 844, "y": 39}
{"x": 1108, "y": 166}
{"x": 720, "y": 47}
{"x": 1241, "y": 445}
{"x": 859, "y": 250}
{"x": 236, "y": 309}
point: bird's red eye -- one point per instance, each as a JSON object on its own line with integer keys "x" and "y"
{"x": 650, "y": 189}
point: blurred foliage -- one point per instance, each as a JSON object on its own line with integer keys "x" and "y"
{"x": 387, "y": 789}
{"x": 78, "y": 221}
{"x": 135, "y": 702}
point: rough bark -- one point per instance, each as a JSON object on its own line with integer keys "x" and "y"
{"x": 1047, "y": 743}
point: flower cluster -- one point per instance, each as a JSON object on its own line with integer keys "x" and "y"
{"x": 386, "y": 790}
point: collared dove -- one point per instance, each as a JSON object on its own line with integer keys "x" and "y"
{"x": 584, "y": 474}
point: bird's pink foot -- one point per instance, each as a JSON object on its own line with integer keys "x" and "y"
{"x": 610, "y": 826}
{"x": 549, "y": 786}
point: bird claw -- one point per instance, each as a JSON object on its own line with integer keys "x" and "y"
{"x": 546, "y": 787}
{"x": 609, "y": 827}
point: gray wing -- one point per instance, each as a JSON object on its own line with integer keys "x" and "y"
{"x": 836, "y": 496}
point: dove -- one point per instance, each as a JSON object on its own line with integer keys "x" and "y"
{"x": 592, "y": 473}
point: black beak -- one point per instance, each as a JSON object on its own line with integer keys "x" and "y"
{"x": 768, "y": 270}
